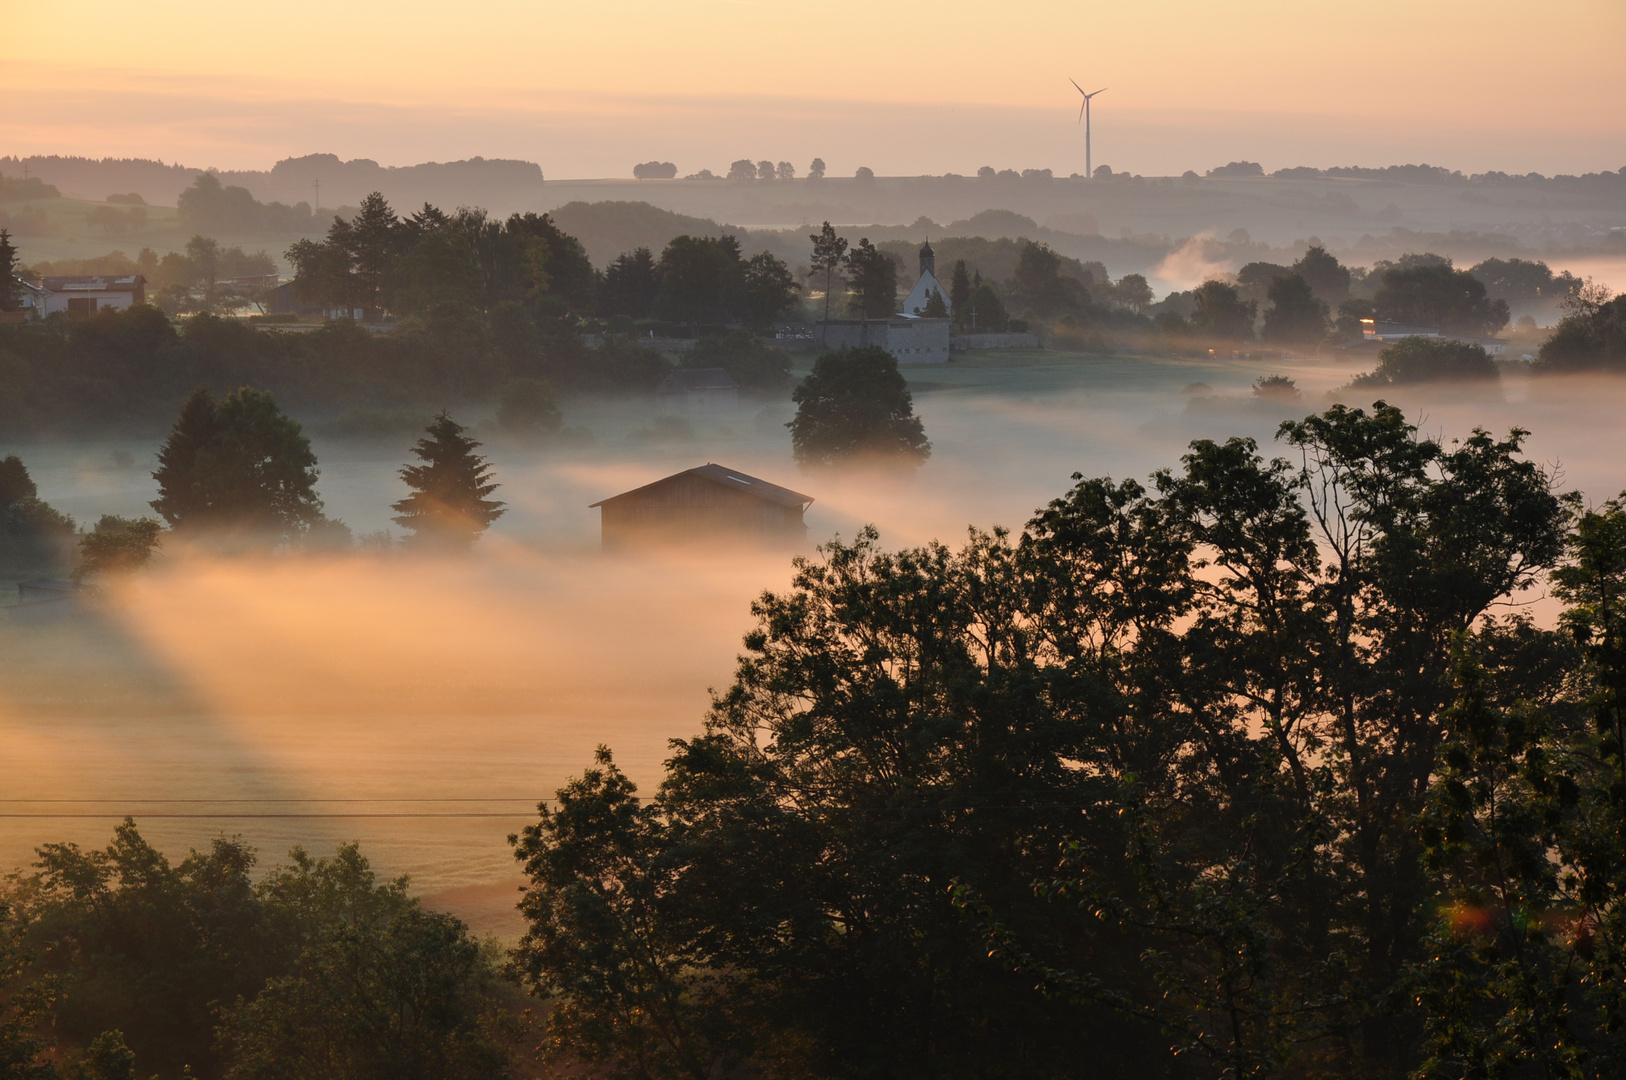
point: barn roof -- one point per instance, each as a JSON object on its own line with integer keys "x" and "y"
{"x": 732, "y": 479}
{"x": 94, "y": 283}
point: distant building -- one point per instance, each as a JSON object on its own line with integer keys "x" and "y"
{"x": 697, "y": 392}
{"x": 87, "y": 294}
{"x": 909, "y": 338}
{"x": 1374, "y": 332}
{"x": 704, "y": 505}
{"x": 915, "y": 302}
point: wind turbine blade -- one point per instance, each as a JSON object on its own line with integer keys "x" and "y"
{"x": 1077, "y": 87}
{"x": 1100, "y": 91}
{"x": 1081, "y": 109}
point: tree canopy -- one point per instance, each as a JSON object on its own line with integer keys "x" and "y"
{"x": 448, "y": 508}
{"x": 856, "y": 405}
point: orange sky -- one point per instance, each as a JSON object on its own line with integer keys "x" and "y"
{"x": 906, "y": 87}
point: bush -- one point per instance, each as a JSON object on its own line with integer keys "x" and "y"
{"x": 1423, "y": 360}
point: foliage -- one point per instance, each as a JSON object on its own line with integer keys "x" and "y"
{"x": 1432, "y": 294}
{"x": 237, "y": 465}
{"x": 1422, "y": 360}
{"x": 630, "y": 285}
{"x": 1329, "y": 280}
{"x": 1221, "y": 314}
{"x": 448, "y": 508}
{"x": 528, "y": 407}
{"x": 768, "y": 290}
{"x": 117, "y": 546}
{"x": 960, "y": 295}
{"x": 33, "y": 534}
{"x": 202, "y": 970}
{"x": 753, "y": 364}
{"x": 1590, "y": 337}
{"x": 829, "y": 250}
{"x": 1296, "y": 315}
{"x": 872, "y": 281}
{"x": 1039, "y": 285}
{"x": 9, "y": 290}
{"x": 856, "y": 405}
{"x": 26, "y": 1000}
{"x": 1203, "y": 720}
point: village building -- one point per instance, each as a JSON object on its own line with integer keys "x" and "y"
{"x": 704, "y": 505}
{"x": 915, "y": 303}
{"x": 910, "y": 336}
{"x": 87, "y": 294}
{"x": 697, "y": 392}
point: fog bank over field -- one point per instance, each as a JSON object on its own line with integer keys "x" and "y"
{"x": 423, "y": 707}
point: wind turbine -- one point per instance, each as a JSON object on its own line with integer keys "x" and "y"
{"x": 1084, "y": 118}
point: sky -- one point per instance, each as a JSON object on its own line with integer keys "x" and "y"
{"x": 905, "y": 87}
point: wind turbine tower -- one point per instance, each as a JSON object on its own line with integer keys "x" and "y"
{"x": 1084, "y": 118}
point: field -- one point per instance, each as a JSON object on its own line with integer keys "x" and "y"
{"x": 424, "y": 708}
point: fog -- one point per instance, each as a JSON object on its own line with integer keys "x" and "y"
{"x": 423, "y": 707}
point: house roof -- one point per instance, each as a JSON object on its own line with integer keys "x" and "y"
{"x": 94, "y": 283}
{"x": 732, "y": 479}
{"x": 706, "y": 378}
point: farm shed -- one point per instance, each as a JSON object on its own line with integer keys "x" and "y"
{"x": 702, "y": 505}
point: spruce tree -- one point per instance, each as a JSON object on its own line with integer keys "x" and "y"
{"x": 8, "y": 272}
{"x": 448, "y": 507}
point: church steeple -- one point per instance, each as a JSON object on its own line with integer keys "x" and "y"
{"x": 928, "y": 260}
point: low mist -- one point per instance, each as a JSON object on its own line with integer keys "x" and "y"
{"x": 423, "y": 706}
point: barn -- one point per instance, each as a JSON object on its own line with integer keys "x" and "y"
{"x": 704, "y": 505}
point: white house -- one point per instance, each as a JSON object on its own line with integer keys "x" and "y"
{"x": 88, "y": 294}
{"x": 915, "y": 302}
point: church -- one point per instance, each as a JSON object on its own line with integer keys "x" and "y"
{"x": 911, "y": 336}
{"x": 915, "y": 302}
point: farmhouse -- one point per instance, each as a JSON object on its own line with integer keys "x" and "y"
{"x": 88, "y": 294}
{"x": 704, "y": 505}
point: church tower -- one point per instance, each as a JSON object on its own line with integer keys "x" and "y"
{"x": 928, "y": 260}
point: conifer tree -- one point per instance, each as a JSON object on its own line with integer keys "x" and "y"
{"x": 8, "y": 272}
{"x": 448, "y": 507}
{"x": 960, "y": 294}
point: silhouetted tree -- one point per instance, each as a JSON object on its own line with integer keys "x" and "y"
{"x": 960, "y": 295}
{"x": 815, "y": 171}
{"x": 829, "y": 251}
{"x": 1432, "y": 294}
{"x": 237, "y": 465}
{"x": 117, "y": 546}
{"x": 8, "y": 273}
{"x": 631, "y": 282}
{"x": 1328, "y": 278}
{"x": 1296, "y": 315}
{"x": 767, "y": 290}
{"x": 448, "y": 508}
{"x": 1221, "y": 314}
{"x": 1423, "y": 360}
{"x": 700, "y": 280}
{"x": 855, "y": 404}
{"x": 872, "y": 280}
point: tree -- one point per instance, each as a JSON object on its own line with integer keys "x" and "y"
{"x": 33, "y": 534}
{"x": 855, "y": 404}
{"x": 1296, "y": 315}
{"x": 753, "y": 364}
{"x": 700, "y": 280}
{"x": 631, "y": 283}
{"x": 528, "y": 407}
{"x": 117, "y": 546}
{"x": 1424, "y": 360}
{"x": 829, "y": 251}
{"x": 742, "y": 170}
{"x": 767, "y": 290}
{"x": 1222, "y": 314}
{"x": 765, "y": 170}
{"x": 1038, "y": 283}
{"x": 872, "y": 279}
{"x": 1590, "y": 337}
{"x": 1329, "y": 280}
{"x": 448, "y": 508}
{"x": 1429, "y": 293}
{"x": 25, "y": 1007}
{"x": 815, "y": 171}
{"x": 1133, "y": 292}
{"x": 237, "y": 465}
{"x": 371, "y": 239}
{"x": 986, "y": 311}
{"x": 785, "y": 171}
{"x": 8, "y": 272}
{"x": 935, "y": 307}
{"x": 960, "y": 295}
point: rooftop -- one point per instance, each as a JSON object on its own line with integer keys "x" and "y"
{"x": 729, "y": 478}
